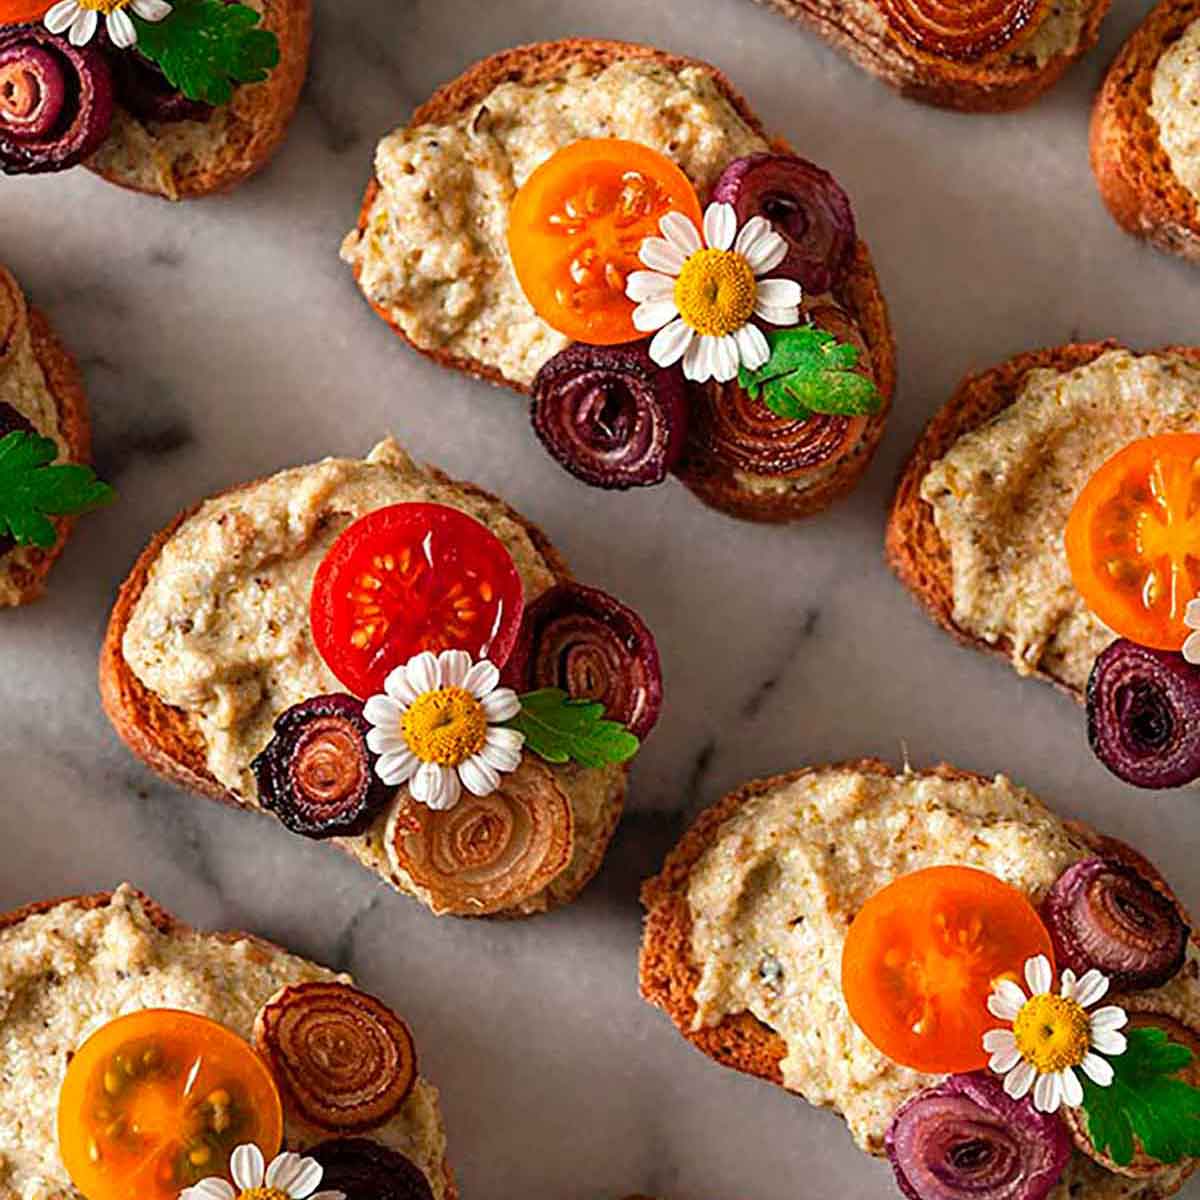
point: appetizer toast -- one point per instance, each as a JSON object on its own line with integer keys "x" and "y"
{"x": 1145, "y": 150}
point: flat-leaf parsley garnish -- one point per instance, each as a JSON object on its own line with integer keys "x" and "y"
{"x": 561, "y": 730}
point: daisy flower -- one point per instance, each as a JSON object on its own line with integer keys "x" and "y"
{"x": 436, "y": 728}
{"x": 1191, "y": 618}
{"x": 79, "y": 19}
{"x": 702, "y": 293}
{"x": 1052, "y": 1035}
{"x": 289, "y": 1177}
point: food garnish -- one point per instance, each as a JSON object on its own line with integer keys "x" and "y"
{"x": 409, "y": 578}
{"x": 1102, "y": 914}
{"x": 157, "y": 1100}
{"x": 363, "y": 1168}
{"x": 345, "y": 1062}
{"x": 10, "y": 420}
{"x": 962, "y": 30}
{"x": 317, "y": 774}
{"x": 922, "y": 956}
{"x": 704, "y": 290}
{"x": 965, "y": 1139}
{"x": 1133, "y": 539}
{"x": 80, "y": 19}
{"x": 144, "y": 91}
{"x": 33, "y": 488}
{"x": 1143, "y": 709}
{"x": 488, "y": 853}
{"x": 436, "y": 727}
{"x": 592, "y": 647}
{"x": 611, "y": 415}
{"x": 575, "y": 226}
{"x": 286, "y": 1177}
{"x": 1191, "y": 618}
{"x": 562, "y": 730}
{"x": 807, "y": 208}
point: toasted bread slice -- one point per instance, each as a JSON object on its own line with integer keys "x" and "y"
{"x": 68, "y": 964}
{"x": 1000, "y": 84}
{"x": 670, "y": 975}
{"x": 915, "y": 548}
{"x": 169, "y": 741}
{"x": 1132, "y": 167}
{"x": 26, "y": 331}
{"x": 759, "y": 498}
{"x": 180, "y": 160}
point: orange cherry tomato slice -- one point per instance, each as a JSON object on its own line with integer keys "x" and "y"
{"x": 575, "y": 227}
{"x": 923, "y": 955}
{"x": 18, "y": 12}
{"x": 1133, "y": 539}
{"x": 408, "y": 578}
{"x": 158, "y": 1100}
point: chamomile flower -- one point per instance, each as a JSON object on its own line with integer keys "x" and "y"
{"x": 704, "y": 288}
{"x": 1191, "y": 618}
{"x": 79, "y": 19}
{"x": 288, "y": 1177}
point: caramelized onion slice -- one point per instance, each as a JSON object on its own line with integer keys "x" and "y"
{"x": 344, "y": 1062}
{"x": 961, "y": 30}
{"x": 365, "y": 1170}
{"x": 487, "y": 853}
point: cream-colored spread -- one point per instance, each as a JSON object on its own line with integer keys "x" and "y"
{"x": 433, "y": 253}
{"x": 67, "y": 972}
{"x": 1058, "y": 32}
{"x": 772, "y": 898}
{"x": 1002, "y": 495}
{"x": 1175, "y": 106}
{"x": 222, "y": 627}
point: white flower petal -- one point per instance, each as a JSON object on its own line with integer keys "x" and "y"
{"x": 779, "y": 293}
{"x": 1098, "y": 1070}
{"x": 1191, "y": 614}
{"x": 697, "y": 362}
{"x": 423, "y": 672}
{"x": 1066, "y": 987}
{"x": 654, "y": 314}
{"x": 769, "y": 252}
{"x": 1019, "y": 1080}
{"x": 59, "y": 17}
{"x": 777, "y": 316}
{"x": 328, "y": 1196}
{"x": 299, "y": 1177}
{"x": 998, "y": 1039}
{"x": 503, "y": 758}
{"x": 1038, "y": 975}
{"x": 209, "y": 1189}
{"x": 505, "y": 739}
{"x": 501, "y": 704}
{"x": 660, "y": 255}
{"x": 750, "y": 235}
{"x": 671, "y": 342}
{"x": 1047, "y": 1093}
{"x": 649, "y": 285}
{"x": 1109, "y": 1041}
{"x": 454, "y": 665}
{"x": 1006, "y": 1001}
{"x": 725, "y": 358}
{"x": 720, "y": 226}
{"x": 680, "y": 233}
{"x": 83, "y": 28}
{"x": 1004, "y": 1060}
{"x": 246, "y": 1165}
{"x": 752, "y": 346}
{"x": 1191, "y": 647}
{"x": 385, "y": 740}
{"x": 397, "y": 766}
{"x": 482, "y": 678}
{"x": 281, "y": 1170}
{"x": 478, "y": 776}
{"x": 399, "y": 687}
{"x": 1072, "y": 1089}
{"x": 382, "y": 710}
{"x": 121, "y": 29}
{"x": 1111, "y": 1016}
{"x": 1091, "y": 987}
{"x": 427, "y": 783}
{"x": 151, "y": 10}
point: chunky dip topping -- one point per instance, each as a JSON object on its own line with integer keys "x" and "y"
{"x": 345, "y": 1062}
{"x": 363, "y": 1168}
{"x": 159, "y": 1099}
{"x": 285, "y": 1177}
{"x": 962, "y": 30}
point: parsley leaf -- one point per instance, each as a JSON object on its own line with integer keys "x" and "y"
{"x": 810, "y": 371}
{"x": 206, "y": 46}
{"x": 560, "y": 730}
{"x": 1145, "y": 1102}
{"x": 32, "y": 491}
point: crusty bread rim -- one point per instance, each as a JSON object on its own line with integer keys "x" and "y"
{"x": 914, "y": 547}
{"x": 170, "y": 926}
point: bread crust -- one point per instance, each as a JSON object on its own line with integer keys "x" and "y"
{"x": 170, "y": 925}
{"x": 914, "y": 547}
{"x": 1131, "y": 167}
{"x": 986, "y": 87}
{"x": 257, "y": 118}
{"x": 860, "y": 294}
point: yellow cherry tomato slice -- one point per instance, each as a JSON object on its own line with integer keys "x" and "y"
{"x": 1133, "y": 539}
{"x": 19, "y": 12}
{"x": 575, "y": 228}
{"x": 157, "y": 1100}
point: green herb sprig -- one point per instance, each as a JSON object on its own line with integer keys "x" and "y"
{"x": 561, "y": 730}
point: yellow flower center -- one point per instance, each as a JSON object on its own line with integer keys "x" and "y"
{"x": 446, "y": 726}
{"x": 715, "y": 292}
{"x": 106, "y": 7}
{"x": 263, "y": 1193}
{"x": 1053, "y": 1033}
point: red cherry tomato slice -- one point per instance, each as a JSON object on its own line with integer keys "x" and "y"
{"x": 408, "y": 578}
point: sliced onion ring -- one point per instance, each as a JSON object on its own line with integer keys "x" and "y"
{"x": 961, "y": 30}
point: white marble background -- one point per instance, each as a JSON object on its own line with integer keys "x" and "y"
{"x": 223, "y": 339}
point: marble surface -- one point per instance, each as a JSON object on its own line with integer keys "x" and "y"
{"x": 223, "y": 339}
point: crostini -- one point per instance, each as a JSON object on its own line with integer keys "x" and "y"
{"x": 145, "y": 1058}
{"x": 400, "y": 663}
{"x": 987, "y": 56}
{"x": 1145, "y": 137}
{"x": 174, "y": 99}
{"x": 546, "y": 212}
{"x": 45, "y": 444}
{"x": 928, "y": 953}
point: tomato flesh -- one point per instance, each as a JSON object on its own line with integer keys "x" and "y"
{"x": 923, "y": 955}
{"x": 575, "y": 228}
{"x": 18, "y": 12}
{"x": 1133, "y": 539}
{"x": 156, "y": 1101}
{"x": 408, "y": 578}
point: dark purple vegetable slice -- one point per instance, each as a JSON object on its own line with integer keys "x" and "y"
{"x": 1144, "y": 715}
{"x": 142, "y": 90}
{"x": 56, "y": 101}
{"x": 808, "y": 209}
{"x": 965, "y": 1139}
{"x": 593, "y": 647}
{"x": 611, "y": 415}
{"x": 1103, "y": 914}
{"x": 11, "y": 421}
{"x": 316, "y": 774}
{"x": 365, "y": 1170}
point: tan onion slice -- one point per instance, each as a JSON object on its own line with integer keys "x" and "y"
{"x": 12, "y": 313}
{"x": 961, "y": 30}
{"x": 487, "y": 853}
{"x": 344, "y": 1062}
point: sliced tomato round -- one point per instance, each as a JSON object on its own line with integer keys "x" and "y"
{"x": 923, "y": 955}
{"x": 1133, "y": 539}
{"x": 575, "y": 228}
{"x": 408, "y": 578}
